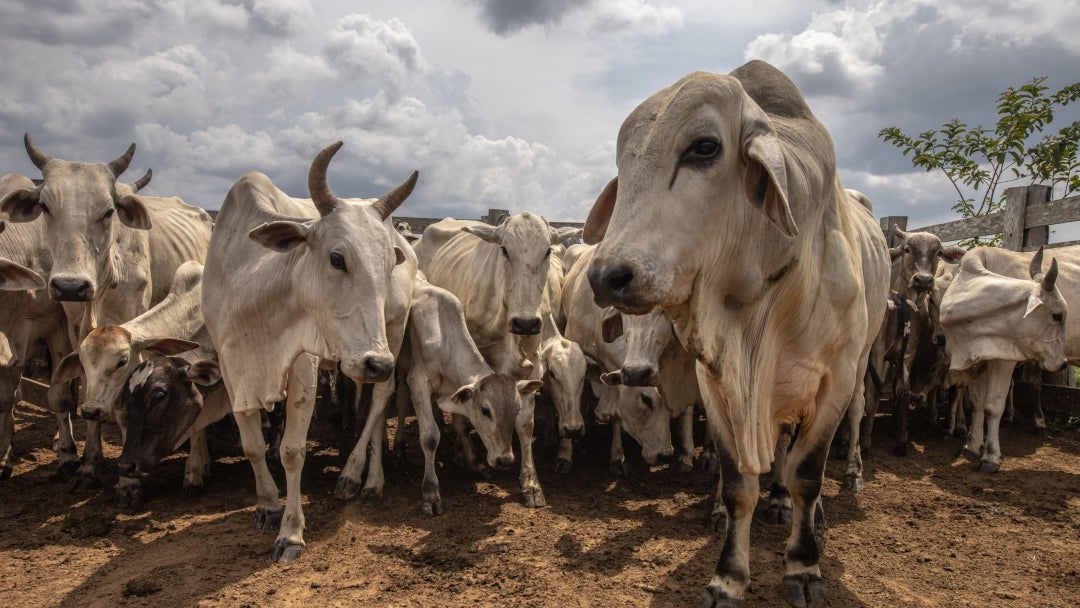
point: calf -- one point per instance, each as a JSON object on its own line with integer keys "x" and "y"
{"x": 564, "y": 365}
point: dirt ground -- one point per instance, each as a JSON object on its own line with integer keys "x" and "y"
{"x": 926, "y": 531}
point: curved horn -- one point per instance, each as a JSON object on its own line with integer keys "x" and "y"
{"x": 1051, "y": 276}
{"x": 393, "y": 199}
{"x": 140, "y": 183}
{"x": 36, "y": 156}
{"x": 898, "y": 232}
{"x": 1035, "y": 269}
{"x": 554, "y": 325}
{"x": 324, "y": 199}
{"x": 120, "y": 165}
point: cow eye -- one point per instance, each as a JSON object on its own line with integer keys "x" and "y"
{"x": 647, "y": 400}
{"x": 485, "y": 410}
{"x": 548, "y": 254}
{"x": 552, "y": 374}
{"x": 907, "y": 249}
{"x": 108, "y": 214}
{"x": 337, "y": 261}
{"x": 1059, "y": 317}
{"x": 157, "y": 396}
{"x": 703, "y": 149}
{"x": 45, "y": 209}
{"x": 121, "y": 363}
{"x": 505, "y": 253}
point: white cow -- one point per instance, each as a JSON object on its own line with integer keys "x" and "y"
{"x": 565, "y": 366}
{"x": 446, "y": 367}
{"x": 727, "y": 212}
{"x": 114, "y": 251}
{"x": 502, "y": 276}
{"x": 992, "y": 319}
{"x": 289, "y": 282}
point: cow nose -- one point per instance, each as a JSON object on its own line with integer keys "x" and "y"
{"x": 126, "y": 469}
{"x": 611, "y": 281}
{"x": 91, "y": 414}
{"x": 66, "y": 289}
{"x": 922, "y": 282}
{"x": 377, "y": 369}
{"x": 505, "y": 461}
{"x": 525, "y": 326}
{"x": 639, "y": 375}
{"x": 573, "y": 433}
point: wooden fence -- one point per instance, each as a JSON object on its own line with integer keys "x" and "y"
{"x": 1024, "y": 226}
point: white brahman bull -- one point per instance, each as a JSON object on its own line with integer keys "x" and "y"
{"x": 992, "y": 319}
{"x": 504, "y": 278}
{"x": 727, "y": 212}
{"x": 289, "y": 282}
{"x": 114, "y": 251}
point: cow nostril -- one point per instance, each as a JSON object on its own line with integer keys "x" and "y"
{"x": 573, "y": 433}
{"x": 378, "y": 369}
{"x": 91, "y": 414}
{"x": 638, "y": 376}
{"x": 526, "y": 326}
{"x": 504, "y": 462}
{"x": 70, "y": 290}
{"x": 617, "y": 277}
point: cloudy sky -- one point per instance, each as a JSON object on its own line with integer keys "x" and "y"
{"x": 499, "y": 103}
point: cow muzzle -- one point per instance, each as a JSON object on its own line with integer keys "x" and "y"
{"x": 575, "y": 432}
{"x": 93, "y": 413}
{"x": 70, "y": 289}
{"x": 639, "y": 375}
{"x": 618, "y": 284}
{"x": 525, "y": 326}
{"x": 922, "y": 282}
{"x": 369, "y": 368}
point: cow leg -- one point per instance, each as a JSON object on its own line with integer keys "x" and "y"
{"x": 9, "y": 377}
{"x": 348, "y": 483}
{"x": 86, "y": 478}
{"x": 617, "y": 464}
{"x": 303, "y": 380}
{"x": 989, "y": 392}
{"x": 738, "y": 493}
{"x": 380, "y": 396}
{"x": 853, "y": 478}
{"x": 903, "y": 405}
{"x": 268, "y": 509}
{"x": 532, "y": 493}
{"x": 564, "y": 457}
{"x": 779, "y": 510}
{"x": 429, "y": 443}
{"x": 1010, "y": 407}
{"x": 685, "y": 459}
{"x": 1040, "y": 418}
{"x": 61, "y": 401}
{"x": 804, "y": 473}
{"x": 402, "y": 399}
{"x": 197, "y": 465}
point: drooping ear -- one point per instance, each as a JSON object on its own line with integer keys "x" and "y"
{"x": 1050, "y": 278}
{"x": 167, "y": 347}
{"x": 528, "y": 387}
{"x": 399, "y": 256}
{"x": 612, "y": 378}
{"x": 952, "y": 254}
{"x": 15, "y": 277}
{"x": 463, "y": 394}
{"x": 281, "y": 236}
{"x": 21, "y": 205}
{"x": 593, "y": 369}
{"x": 559, "y": 235}
{"x": 612, "y": 326}
{"x": 205, "y": 373}
{"x": 597, "y": 223}
{"x": 765, "y": 180}
{"x": 485, "y": 232}
{"x": 1034, "y": 301}
{"x": 69, "y": 369}
{"x": 132, "y": 212}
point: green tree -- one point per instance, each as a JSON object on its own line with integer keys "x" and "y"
{"x": 980, "y": 163}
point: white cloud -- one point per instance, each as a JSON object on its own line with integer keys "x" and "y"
{"x": 635, "y": 17}
{"x": 383, "y": 50}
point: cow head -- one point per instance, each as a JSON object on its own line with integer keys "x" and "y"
{"x": 642, "y": 414}
{"x": 81, "y": 205}
{"x": 106, "y": 357}
{"x": 163, "y": 397}
{"x": 918, "y": 254}
{"x": 525, "y": 245}
{"x": 492, "y": 405}
{"x": 565, "y": 366}
{"x": 341, "y": 266}
{"x": 647, "y": 337}
{"x": 702, "y": 188}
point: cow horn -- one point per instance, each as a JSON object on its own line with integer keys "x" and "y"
{"x": 120, "y": 165}
{"x": 393, "y": 199}
{"x": 324, "y": 199}
{"x": 36, "y": 156}
{"x": 1035, "y": 269}
{"x": 1051, "y": 276}
{"x": 140, "y": 183}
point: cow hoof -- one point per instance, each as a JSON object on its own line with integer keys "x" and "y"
{"x": 684, "y": 466}
{"x": 778, "y": 513}
{"x": 192, "y": 490}
{"x": 5, "y": 473}
{"x": 563, "y": 466}
{"x": 1040, "y": 431}
{"x": 346, "y": 488}
{"x": 482, "y": 471}
{"x": 853, "y": 482}
{"x": 619, "y": 468}
{"x": 900, "y": 450}
{"x": 285, "y": 552}
{"x": 83, "y": 482}
{"x": 266, "y": 519}
{"x": 969, "y": 455}
{"x": 708, "y": 463}
{"x": 370, "y": 496}
{"x": 987, "y": 466}
{"x": 433, "y": 507}
{"x": 716, "y": 598}
{"x": 130, "y": 497}
{"x": 718, "y": 521}
{"x": 67, "y": 470}
{"x": 534, "y": 499}
{"x": 804, "y": 590}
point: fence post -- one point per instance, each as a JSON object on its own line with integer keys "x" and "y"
{"x": 1040, "y": 235}
{"x": 495, "y": 216}
{"x": 887, "y": 222}
{"x": 1016, "y": 235}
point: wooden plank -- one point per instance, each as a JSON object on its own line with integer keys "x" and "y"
{"x": 1036, "y": 235}
{"x": 1054, "y": 212}
{"x": 967, "y": 228}
{"x": 1055, "y": 398}
{"x": 1050, "y": 246}
{"x": 1012, "y": 234}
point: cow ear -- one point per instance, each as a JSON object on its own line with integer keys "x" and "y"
{"x": 1034, "y": 301}
{"x": 952, "y": 254}
{"x": 205, "y": 373}
{"x": 69, "y": 369}
{"x": 592, "y": 369}
{"x": 612, "y": 378}
{"x": 484, "y": 232}
{"x": 281, "y": 236}
{"x": 597, "y": 223}
{"x": 167, "y": 347}
{"x": 612, "y": 326}
{"x": 765, "y": 181}
{"x": 463, "y": 394}
{"x": 132, "y": 212}
{"x": 21, "y": 205}
{"x": 528, "y": 387}
{"x": 14, "y": 277}
{"x": 399, "y": 256}
{"x": 559, "y": 235}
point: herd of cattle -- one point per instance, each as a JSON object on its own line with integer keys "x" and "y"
{"x": 727, "y": 268}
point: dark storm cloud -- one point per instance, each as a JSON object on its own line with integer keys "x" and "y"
{"x": 506, "y": 17}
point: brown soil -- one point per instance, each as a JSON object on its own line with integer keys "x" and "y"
{"x": 926, "y": 531}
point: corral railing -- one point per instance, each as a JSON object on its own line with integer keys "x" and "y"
{"x": 1024, "y": 225}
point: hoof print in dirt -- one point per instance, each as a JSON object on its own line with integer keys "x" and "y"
{"x": 804, "y": 590}
{"x": 141, "y": 587}
{"x": 268, "y": 520}
{"x": 346, "y": 488}
{"x": 82, "y": 483}
{"x": 285, "y": 552}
